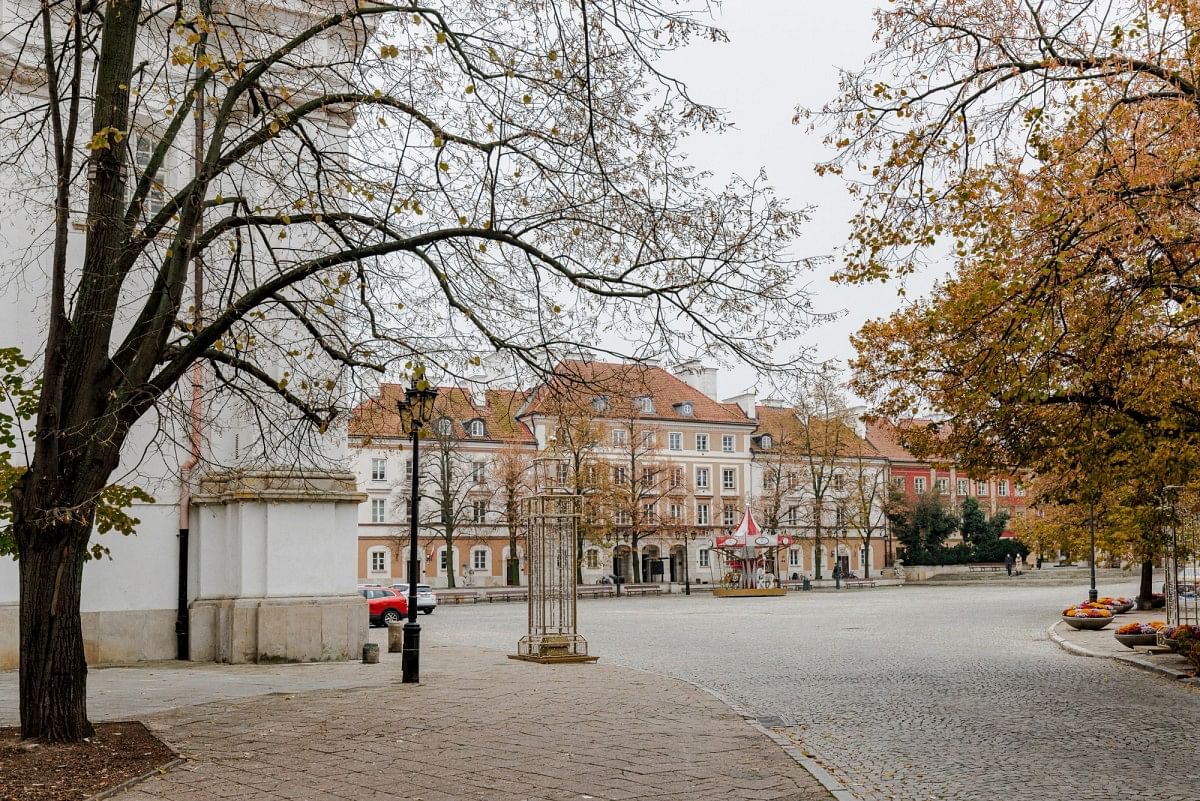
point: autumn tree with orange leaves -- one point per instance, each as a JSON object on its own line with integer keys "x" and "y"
{"x": 1049, "y": 147}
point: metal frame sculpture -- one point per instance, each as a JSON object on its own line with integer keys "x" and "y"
{"x": 551, "y": 525}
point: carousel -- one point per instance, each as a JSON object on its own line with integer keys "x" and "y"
{"x": 748, "y": 558}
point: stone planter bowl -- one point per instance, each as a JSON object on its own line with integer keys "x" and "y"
{"x": 1134, "y": 640}
{"x": 1087, "y": 623}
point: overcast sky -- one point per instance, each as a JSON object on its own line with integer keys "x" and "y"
{"x": 784, "y": 53}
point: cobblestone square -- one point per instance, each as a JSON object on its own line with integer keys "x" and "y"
{"x": 919, "y": 693}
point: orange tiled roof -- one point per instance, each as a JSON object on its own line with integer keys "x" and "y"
{"x": 885, "y": 436}
{"x": 581, "y": 382}
{"x": 774, "y": 420}
{"x": 377, "y": 417}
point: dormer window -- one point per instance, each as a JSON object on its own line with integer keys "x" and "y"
{"x": 475, "y": 428}
{"x": 444, "y": 426}
{"x": 684, "y": 409}
{"x": 765, "y": 442}
{"x": 645, "y": 404}
{"x": 600, "y": 403}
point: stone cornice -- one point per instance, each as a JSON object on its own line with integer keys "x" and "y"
{"x": 278, "y": 486}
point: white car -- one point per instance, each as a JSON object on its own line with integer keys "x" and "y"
{"x": 426, "y": 600}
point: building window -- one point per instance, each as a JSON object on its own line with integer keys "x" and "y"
{"x": 379, "y": 560}
{"x": 619, "y": 476}
{"x": 592, "y": 559}
{"x": 560, "y": 474}
{"x": 790, "y": 516}
{"x": 144, "y": 149}
{"x": 702, "y": 514}
{"x": 676, "y": 512}
{"x": 701, "y": 478}
{"x": 919, "y": 485}
{"x": 645, "y": 404}
{"x": 727, "y": 516}
{"x": 442, "y": 561}
{"x": 728, "y": 478}
{"x": 378, "y": 510}
{"x": 769, "y": 477}
{"x": 478, "y": 511}
{"x": 981, "y": 489}
{"x": 943, "y": 486}
{"x": 479, "y": 472}
{"x": 618, "y": 438}
{"x": 1002, "y": 487}
{"x": 727, "y": 443}
{"x": 794, "y": 557}
{"x": 623, "y": 518}
{"x": 649, "y": 438}
{"x": 479, "y": 559}
{"x": 685, "y": 409}
{"x": 702, "y": 442}
{"x": 406, "y": 504}
{"x": 648, "y": 512}
{"x": 444, "y": 426}
{"x": 963, "y": 487}
{"x": 1019, "y": 489}
{"x": 675, "y": 441}
{"x": 765, "y": 442}
{"x": 600, "y": 403}
{"x": 378, "y": 469}
{"x": 702, "y": 557}
{"x": 476, "y": 428}
{"x": 676, "y": 477}
{"x": 898, "y": 483}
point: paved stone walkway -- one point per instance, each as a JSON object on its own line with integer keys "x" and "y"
{"x": 480, "y": 726}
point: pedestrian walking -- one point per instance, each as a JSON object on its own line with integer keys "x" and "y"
{"x": 1008, "y": 563}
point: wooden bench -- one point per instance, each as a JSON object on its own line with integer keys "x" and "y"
{"x": 856, "y": 584}
{"x": 511, "y": 594}
{"x": 985, "y": 567}
{"x": 457, "y": 596}
{"x": 596, "y": 591}
{"x": 641, "y": 589}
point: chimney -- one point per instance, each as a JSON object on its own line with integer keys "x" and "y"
{"x": 856, "y": 419}
{"x": 746, "y": 401}
{"x": 697, "y": 376}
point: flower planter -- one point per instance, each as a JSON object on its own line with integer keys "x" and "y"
{"x": 1134, "y": 640}
{"x": 1087, "y": 623}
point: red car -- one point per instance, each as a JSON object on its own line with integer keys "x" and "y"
{"x": 383, "y": 605}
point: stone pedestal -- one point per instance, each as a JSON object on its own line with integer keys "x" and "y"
{"x": 273, "y": 558}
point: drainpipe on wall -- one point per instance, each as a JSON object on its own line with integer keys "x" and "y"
{"x": 195, "y": 418}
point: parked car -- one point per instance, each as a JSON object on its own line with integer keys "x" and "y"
{"x": 426, "y": 599}
{"x": 383, "y": 605}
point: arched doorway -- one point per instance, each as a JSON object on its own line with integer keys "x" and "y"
{"x": 623, "y": 562}
{"x": 678, "y": 554}
{"x": 652, "y": 563}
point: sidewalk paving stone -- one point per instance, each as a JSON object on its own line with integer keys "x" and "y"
{"x": 479, "y": 726}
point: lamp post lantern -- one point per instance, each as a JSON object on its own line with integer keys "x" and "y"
{"x": 416, "y": 410}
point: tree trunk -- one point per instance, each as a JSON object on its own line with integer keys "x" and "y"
{"x": 635, "y": 558}
{"x": 1146, "y": 589}
{"x": 449, "y": 540}
{"x": 53, "y": 680}
{"x": 867, "y": 558}
{"x": 513, "y": 569}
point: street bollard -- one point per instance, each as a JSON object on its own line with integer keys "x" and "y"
{"x": 370, "y": 653}
{"x": 805, "y": 584}
{"x": 395, "y": 638}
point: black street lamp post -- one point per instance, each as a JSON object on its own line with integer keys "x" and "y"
{"x": 416, "y": 409}
{"x": 1092, "y": 593}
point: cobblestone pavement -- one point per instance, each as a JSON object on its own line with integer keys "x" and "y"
{"x": 914, "y": 694}
{"x": 480, "y": 726}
